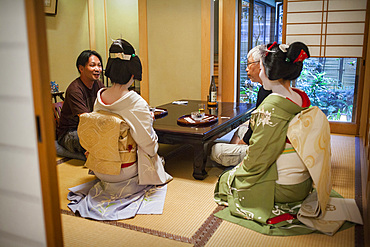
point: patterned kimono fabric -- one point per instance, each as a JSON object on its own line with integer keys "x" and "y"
{"x": 249, "y": 189}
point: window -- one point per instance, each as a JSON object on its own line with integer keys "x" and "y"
{"x": 265, "y": 28}
{"x": 335, "y": 33}
{"x": 330, "y": 83}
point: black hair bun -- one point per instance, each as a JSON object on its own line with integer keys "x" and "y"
{"x": 285, "y": 62}
{"x": 297, "y": 52}
{"x": 119, "y": 70}
{"x": 121, "y": 45}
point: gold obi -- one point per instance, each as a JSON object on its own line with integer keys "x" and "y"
{"x": 107, "y": 138}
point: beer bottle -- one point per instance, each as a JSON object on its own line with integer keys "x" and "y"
{"x": 212, "y": 97}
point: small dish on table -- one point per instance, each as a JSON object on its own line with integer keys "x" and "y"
{"x": 160, "y": 113}
{"x": 187, "y": 120}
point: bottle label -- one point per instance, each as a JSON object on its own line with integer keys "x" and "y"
{"x": 213, "y": 96}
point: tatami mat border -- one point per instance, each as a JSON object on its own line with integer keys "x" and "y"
{"x": 200, "y": 238}
{"x": 62, "y": 160}
{"x": 359, "y": 229}
{"x": 210, "y": 225}
{"x": 138, "y": 228}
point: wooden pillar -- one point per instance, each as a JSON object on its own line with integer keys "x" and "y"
{"x": 91, "y": 25}
{"x": 207, "y": 44}
{"x": 143, "y": 47}
{"x": 227, "y": 49}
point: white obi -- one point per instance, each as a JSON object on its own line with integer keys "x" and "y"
{"x": 291, "y": 169}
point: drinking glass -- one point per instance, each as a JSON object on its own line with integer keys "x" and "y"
{"x": 196, "y": 115}
{"x": 201, "y": 108}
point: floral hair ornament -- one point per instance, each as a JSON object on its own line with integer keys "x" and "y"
{"x": 302, "y": 56}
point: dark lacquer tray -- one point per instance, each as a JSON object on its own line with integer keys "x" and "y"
{"x": 160, "y": 112}
{"x": 186, "y": 120}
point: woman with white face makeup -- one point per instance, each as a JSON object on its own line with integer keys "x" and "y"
{"x": 273, "y": 172}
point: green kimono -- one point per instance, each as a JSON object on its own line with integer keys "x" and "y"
{"x": 249, "y": 189}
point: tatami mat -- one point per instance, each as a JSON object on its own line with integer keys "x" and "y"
{"x": 82, "y": 232}
{"x": 343, "y": 165}
{"x": 189, "y": 206}
{"x": 71, "y": 173}
{"x": 229, "y": 234}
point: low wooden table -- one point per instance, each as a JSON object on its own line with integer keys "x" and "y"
{"x": 230, "y": 115}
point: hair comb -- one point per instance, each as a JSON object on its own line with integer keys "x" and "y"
{"x": 269, "y": 48}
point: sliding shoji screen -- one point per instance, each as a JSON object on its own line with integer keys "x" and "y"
{"x": 331, "y": 28}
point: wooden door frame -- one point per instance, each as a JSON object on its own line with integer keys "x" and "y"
{"x": 226, "y": 57}
{"x": 39, "y": 65}
{"x": 143, "y": 48}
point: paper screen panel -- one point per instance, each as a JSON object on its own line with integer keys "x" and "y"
{"x": 309, "y": 29}
{"x": 349, "y": 28}
{"x": 342, "y": 51}
{"x": 346, "y": 4}
{"x": 332, "y": 28}
{"x": 304, "y": 18}
{"x": 306, "y": 6}
{"x": 347, "y": 16}
{"x": 307, "y": 39}
{"x": 345, "y": 40}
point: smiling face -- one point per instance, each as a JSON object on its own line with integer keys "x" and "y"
{"x": 91, "y": 71}
{"x": 253, "y": 70}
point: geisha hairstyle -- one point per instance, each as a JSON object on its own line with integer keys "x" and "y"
{"x": 123, "y": 62}
{"x": 284, "y": 61}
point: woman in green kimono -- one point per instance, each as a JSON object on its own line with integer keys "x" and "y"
{"x": 271, "y": 172}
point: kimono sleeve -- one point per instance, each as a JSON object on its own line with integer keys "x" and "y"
{"x": 142, "y": 131}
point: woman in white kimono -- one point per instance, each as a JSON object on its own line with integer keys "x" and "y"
{"x": 271, "y": 172}
{"x": 121, "y": 147}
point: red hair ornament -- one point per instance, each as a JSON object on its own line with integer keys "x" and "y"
{"x": 269, "y": 48}
{"x": 302, "y": 56}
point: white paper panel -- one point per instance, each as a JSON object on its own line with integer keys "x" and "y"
{"x": 344, "y": 51}
{"x": 347, "y": 16}
{"x": 308, "y": 40}
{"x": 346, "y": 33}
{"x": 347, "y": 4}
{"x": 307, "y": 28}
{"x": 15, "y": 160}
{"x": 20, "y": 226}
{"x": 20, "y": 128}
{"x": 344, "y": 39}
{"x": 305, "y": 6}
{"x": 314, "y": 51}
{"x": 304, "y": 18}
{"x": 346, "y": 28}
